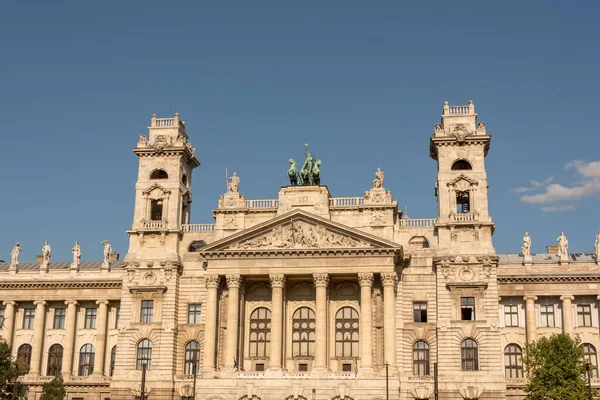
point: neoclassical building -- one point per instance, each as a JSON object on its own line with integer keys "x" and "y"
{"x": 304, "y": 296}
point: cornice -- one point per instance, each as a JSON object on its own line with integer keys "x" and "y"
{"x": 60, "y": 284}
{"x": 284, "y": 253}
{"x": 548, "y": 278}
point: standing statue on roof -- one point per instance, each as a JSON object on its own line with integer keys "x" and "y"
{"x": 526, "y": 248}
{"x": 107, "y": 251}
{"x": 14, "y": 255}
{"x": 234, "y": 183}
{"x": 563, "y": 245}
{"x": 46, "y": 252}
{"x": 379, "y": 177}
{"x": 310, "y": 172}
{"x": 596, "y": 246}
{"x": 76, "y": 250}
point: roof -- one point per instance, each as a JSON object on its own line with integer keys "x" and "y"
{"x": 545, "y": 257}
{"x": 58, "y": 265}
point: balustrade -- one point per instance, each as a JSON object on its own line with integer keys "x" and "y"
{"x": 464, "y": 217}
{"x": 346, "y": 201}
{"x": 417, "y": 222}
{"x": 198, "y": 227}
{"x": 271, "y": 203}
{"x": 154, "y": 224}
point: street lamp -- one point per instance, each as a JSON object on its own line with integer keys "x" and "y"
{"x": 143, "y": 395}
{"x": 195, "y": 372}
{"x": 587, "y": 367}
{"x": 387, "y": 381}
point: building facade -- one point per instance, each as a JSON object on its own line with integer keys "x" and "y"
{"x": 306, "y": 296}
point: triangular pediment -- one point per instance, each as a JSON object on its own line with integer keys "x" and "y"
{"x": 300, "y": 230}
{"x": 464, "y": 179}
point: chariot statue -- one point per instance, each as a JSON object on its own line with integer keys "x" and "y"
{"x": 310, "y": 173}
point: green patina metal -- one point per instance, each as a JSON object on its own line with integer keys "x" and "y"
{"x": 310, "y": 173}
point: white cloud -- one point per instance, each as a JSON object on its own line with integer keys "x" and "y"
{"x": 567, "y": 207}
{"x": 587, "y": 184}
{"x": 534, "y": 185}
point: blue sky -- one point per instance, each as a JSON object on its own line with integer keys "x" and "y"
{"x": 362, "y": 82}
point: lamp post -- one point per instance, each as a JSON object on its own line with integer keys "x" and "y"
{"x": 587, "y": 367}
{"x": 387, "y": 381}
{"x": 195, "y": 372}
{"x": 143, "y": 396}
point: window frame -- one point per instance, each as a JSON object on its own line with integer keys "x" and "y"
{"x": 347, "y": 339}
{"x": 513, "y": 369}
{"x": 260, "y": 337}
{"x": 113, "y": 359}
{"x": 58, "y": 321}
{"x": 194, "y": 315}
{"x": 418, "y": 311}
{"x": 89, "y": 322}
{"x": 421, "y": 358}
{"x": 511, "y": 315}
{"x": 191, "y": 354}
{"x": 28, "y": 317}
{"x": 544, "y": 316}
{"x": 55, "y": 356}
{"x": 303, "y": 337}
{"x": 24, "y": 359}
{"x": 87, "y": 356}
{"x": 146, "y": 312}
{"x": 584, "y": 315}
{"x": 589, "y": 351}
{"x": 143, "y": 354}
{"x": 467, "y": 299}
{"x": 469, "y": 355}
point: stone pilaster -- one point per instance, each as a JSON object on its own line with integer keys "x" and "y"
{"x": 567, "y": 314}
{"x": 100, "y": 337}
{"x": 530, "y": 325}
{"x": 390, "y": 282}
{"x": 366, "y": 314}
{"x": 210, "y": 326}
{"x": 321, "y": 281}
{"x": 277, "y": 284}
{"x": 38, "y": 336}
{"x": 233, "y": 283}
{"x": 9, "y": 319}
{"x": 67, "y": 361}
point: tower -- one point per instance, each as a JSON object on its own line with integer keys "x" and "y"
{"x": 162, "y": 191}
{"x": 459, "y": 144}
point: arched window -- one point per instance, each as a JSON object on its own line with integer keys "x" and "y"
{"x": 144, "y": 354}
{"x": 86, "y": 360}
{"x": 196, "y": 246}
{"x": 461, "y": 165}
{"x": 513, "y": 362}
{"x": 303, "y": 332}
{"x": 55, "y": 356}
{"x": 113, "y": 358}
{"x": 192, "y": 357}
{"x": 469, "y": 356}
{"x": 24, "y": 359}
{"x": 346, "y": 333}
{"x": 421, "y": 358}
{"x": 590, "y": 355}
{"x": 260, "y": 332}
{"x": 159, "y": 174}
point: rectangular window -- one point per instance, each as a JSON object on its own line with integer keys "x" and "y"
{"x": 1, "y": 316}
{"x": 584, "y": 315}
{"x": 303, "y": 367}
{"x": 260, "y": 367}
{"x": 90, "y": 318}
{"x": 59, "y": 318}
{"x": 117, "y": 315}
{"x": 462, "y": 202}
{"x": 147, "y": 311}
{"x": 194, "y": 313}
{"x": 419, "y": 312}
{"x": 511, "y": 315}
{"x": 467, "y": 308}
{"x": 28, "y": 318}
{"x": 347, "y": 367}
{"x": 547, "y": 315}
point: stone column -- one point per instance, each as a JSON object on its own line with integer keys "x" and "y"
{"x": 530, "y": 324}
{"x": 100, "y": 337}
{"x": 277, "y": 284}
{"x": 67, "y": 361}
{"x": 210, "y": 324}
{"x": 9, "y": 319}
{"x": 390, "y": 282}
{"x": 567, "y": 313}
{"x": 38, "y": 336}
{"x": 321, "y": 281}
{"x": 233, "y": 304}
{"x": 366, "y": 321}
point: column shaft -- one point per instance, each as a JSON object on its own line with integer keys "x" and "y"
{"x": 38, "y": 336}
{"x": 100, "y": 337}
{"x": 321, "y": 281}
{"x": 9, "y": 320}
{"x": 567, "y": 312}
{"x": 210, "y": 330}
{"x": 67, "y": 361}
{"x": 277, "y": 284}
{"x": 233, "y": 282}
{"x": 366, "y": 314}
{"x": 390, "y": 282}
{"x": 530, "y": 323}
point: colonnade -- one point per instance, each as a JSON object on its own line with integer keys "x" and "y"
{"x": 321, "y": 283}
{"x": 70, "y": 334}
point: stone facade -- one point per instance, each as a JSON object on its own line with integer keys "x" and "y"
{"x": 306, "y": 296}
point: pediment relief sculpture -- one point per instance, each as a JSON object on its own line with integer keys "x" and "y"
{"x": 462, "y": 182}
{"x": 300, "y": 235}
{"x": 156, "y": 186}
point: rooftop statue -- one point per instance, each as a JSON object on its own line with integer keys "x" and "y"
{"x": 596, "y": 246}
{"x": 379, "y": 177}
{"x": 233, "y": 183}
{"x": 526, "y": 248}
{"x": 563, "y": 245}
{"x": 310, "y": 173}
{"x": 46, "y": 251}
{"x": 76, "y": 250}
{"x": 107, "y": 250}
{"x": 14, "y": 254}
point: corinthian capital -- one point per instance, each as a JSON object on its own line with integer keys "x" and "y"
{"x": 277, "y": 280}
{"x": 212, "y": 281}
{"x": 321, "y": 280}
{"x": 389, "y": 279}
{"x": 234, "y": 281}
{"x": 365, "y": 278}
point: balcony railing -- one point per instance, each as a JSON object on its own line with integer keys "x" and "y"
{"x": 417, "y": 222}
{"x": 271, "y": 203}
{"x": 198, "y": 227}
{"x": 459, "y": 110}
{"x": 464, "y": 217}
{"x": 151, "y": 224}
{"x": 346, "y": 201}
